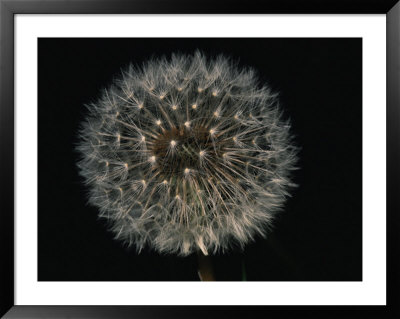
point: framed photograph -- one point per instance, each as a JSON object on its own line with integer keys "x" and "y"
{"x": 181, "y": 160}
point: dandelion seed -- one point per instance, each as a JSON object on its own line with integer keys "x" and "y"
{"x": 207, "y": 187}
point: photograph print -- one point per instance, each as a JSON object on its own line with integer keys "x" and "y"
{"x": 200, "y": 159}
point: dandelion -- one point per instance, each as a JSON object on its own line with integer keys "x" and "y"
{"x": 187, "y": 154}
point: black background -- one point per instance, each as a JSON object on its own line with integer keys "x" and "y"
{"x": 318, "y": 236}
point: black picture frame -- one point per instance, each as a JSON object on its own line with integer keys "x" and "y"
{"x": 8, "y": 10}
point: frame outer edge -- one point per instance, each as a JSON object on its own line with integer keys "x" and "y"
{"x": 393, "y": 156}
{"x": 6, "y": 158}
{"x": 7, "y": 155}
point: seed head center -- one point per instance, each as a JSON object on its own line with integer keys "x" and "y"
{"x": 177, "y": 150}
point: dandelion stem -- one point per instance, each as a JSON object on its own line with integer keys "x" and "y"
{"x": 205, "y": 268}
{"x": 244, "y": 275}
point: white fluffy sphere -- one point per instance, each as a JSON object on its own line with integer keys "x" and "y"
{"x": 187, "y": 154}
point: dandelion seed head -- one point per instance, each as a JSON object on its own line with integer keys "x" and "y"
{"x": 209, "y": 188}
